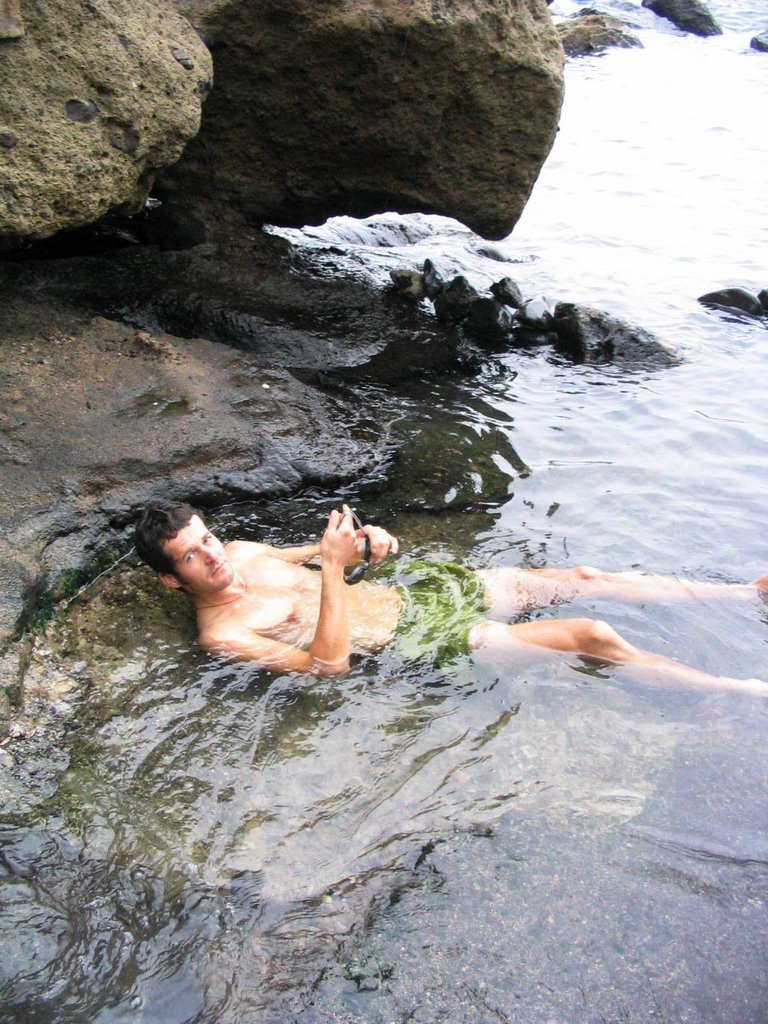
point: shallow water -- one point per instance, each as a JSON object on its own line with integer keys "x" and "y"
{"x": 529, "y": 842}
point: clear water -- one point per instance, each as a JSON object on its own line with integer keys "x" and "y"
{"x": 232, "y": 847}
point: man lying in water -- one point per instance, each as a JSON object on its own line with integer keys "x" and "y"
{"x": 263, "y": 603}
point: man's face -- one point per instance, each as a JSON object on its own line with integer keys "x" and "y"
{"x": 199, "y": 562}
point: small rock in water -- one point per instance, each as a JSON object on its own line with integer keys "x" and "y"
{"x": 689, "y": 16}
{"x": 452, "y": 305}
{"x": 763, "y": 296}
{"x": 760, "y": 42}
{"x": 489, "y": 321}
{"x": 507, "y": 292}
{"x": 589, "y": 32}
{"x": 733, "y": 298}
{"x": 433, "y": 282}
{"x": 591, "y": 336}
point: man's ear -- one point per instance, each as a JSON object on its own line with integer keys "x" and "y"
{"x": 169, "y": 580}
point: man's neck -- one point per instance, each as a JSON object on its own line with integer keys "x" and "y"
{"x": 233, "y": 592}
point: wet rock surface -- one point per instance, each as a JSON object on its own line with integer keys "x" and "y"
{"x": 688, "y": 15}
{"x": 93, "y": 104}
{"x": 590, "y": 32}
{"x": 738, "y": 301}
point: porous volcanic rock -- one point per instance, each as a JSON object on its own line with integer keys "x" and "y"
{"x": 94, "y": 99}
{"x": 442, "y": 106}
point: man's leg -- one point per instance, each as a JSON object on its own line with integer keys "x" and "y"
{"x": 509, "y": 591}
{"x": 596, "y": 639}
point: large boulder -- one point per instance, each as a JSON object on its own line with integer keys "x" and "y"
{"x": 371, "y": 105}
{"x": 94, "y": 99}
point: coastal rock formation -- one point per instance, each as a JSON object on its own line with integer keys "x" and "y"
{"x": 94, "y": 100}
{"x": 361, "y": 107}
{"x": 592, "y": 336}
{"x": 689, "y": 16}
{"x": 590, "y": 32}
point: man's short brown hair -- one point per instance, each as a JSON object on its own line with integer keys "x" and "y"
{"x": 157, "y": 524}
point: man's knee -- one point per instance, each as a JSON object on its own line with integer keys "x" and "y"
{"x": 599, "y": 638}
{"x": 586, "y": 572}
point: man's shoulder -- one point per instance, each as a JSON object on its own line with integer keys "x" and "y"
{"x": 246, "y": 549}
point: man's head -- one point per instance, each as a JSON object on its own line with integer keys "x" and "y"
{"x": 156, "y": 525}
{"x": 173, "y": 539}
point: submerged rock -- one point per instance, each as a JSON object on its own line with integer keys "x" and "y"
{"x": 93, "y": 104}
{"x": 590, "y": 32}
{"x": 591, "y": 336}
{"x": 688, "y": 15}
{"x": 328, "y": 108}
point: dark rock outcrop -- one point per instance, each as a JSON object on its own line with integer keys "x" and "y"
{"x": 688, "y": 15}
{"x": 736, "y": 300}
{"x": 355, "y": 108}
{"x": 760, "y": 42}
{"x": 591, "y": 336}
{"x": 590, "y": 32}
{"x": 94, "y": 100}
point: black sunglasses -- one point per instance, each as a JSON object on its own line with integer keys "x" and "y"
{"x": 356, "y": 574}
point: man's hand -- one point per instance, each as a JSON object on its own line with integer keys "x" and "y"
{"x": 339, "y": 544}
{"x": 382, "y": 543}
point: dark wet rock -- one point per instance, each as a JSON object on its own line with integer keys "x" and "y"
{"x": 452, "y": 305}
{"x": 590, "y": 32}
{"x": 507, "y": 292}
{"x": 98, "y": 106}
{"x": 760, "y": 42}
{"x": 763, "y": 297}
{"x": 488, "y": 321}
{"x": 591, "y": 336}
{"x": 409, "y": 283}
{"x": 734, "y": 299}
{"x": 433, "y": 281}
{"x": 326, "y": 108}
{"x": 688, "y": 15}
{"x": 536, "y": 312}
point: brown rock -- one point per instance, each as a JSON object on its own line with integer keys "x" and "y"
{"x": 92, "y": 104}
{"x": 361, "y": 107}
{"x": 590, "y": 32}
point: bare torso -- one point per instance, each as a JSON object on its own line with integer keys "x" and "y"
{"x": 281, "y": 601}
